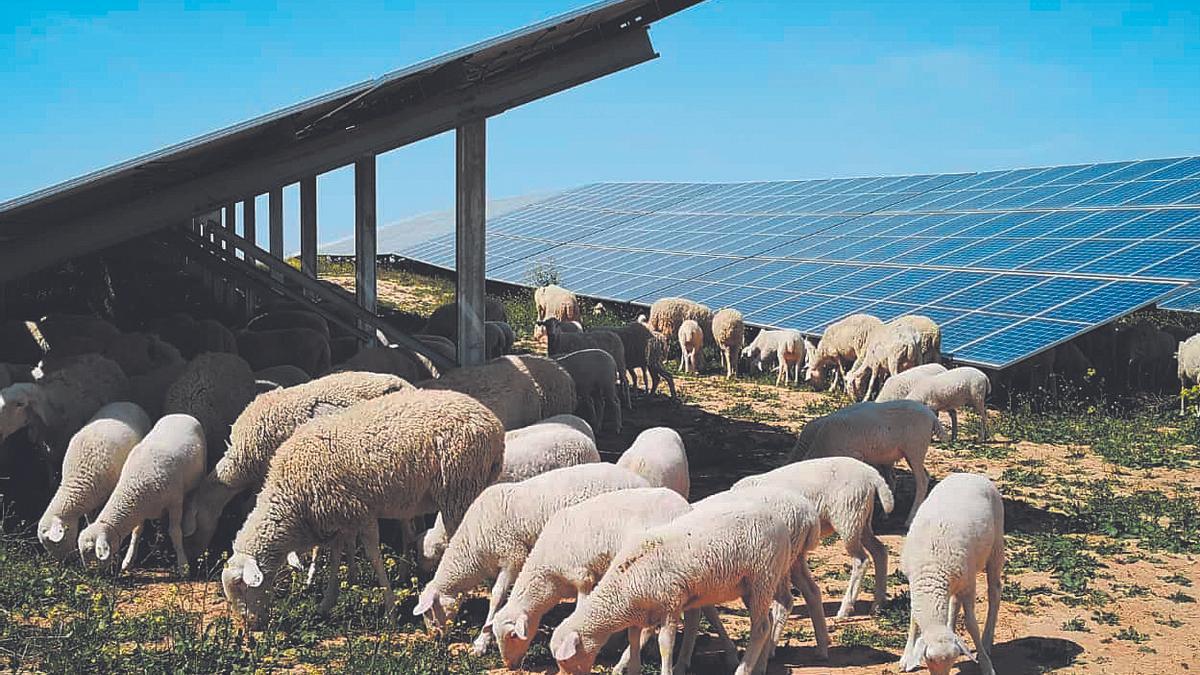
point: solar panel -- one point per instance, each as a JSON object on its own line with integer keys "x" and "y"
{"x": 1009, "y": 262}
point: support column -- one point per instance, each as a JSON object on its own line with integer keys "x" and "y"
{"x": 275, "y": 223}
{"x": 469, "y": 254}
{"x": 249, "y": 234}
{"x": 364, "y": 234}
{"x": 230, "y": 288}
{"x": 308, "y": 226}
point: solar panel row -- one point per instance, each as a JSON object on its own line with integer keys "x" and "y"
{"x": 1009, "y": 262}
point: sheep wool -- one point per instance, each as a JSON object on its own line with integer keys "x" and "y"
{"x": 141, "y": 353}
{"x": 898, "y": 386}
{"x": 1188, "y": 369}
{"x": 931, "y": 335}
{"x": 890, "y": 350}
{"x": 643, "y": 350}
{"x": 954, "y": 389}
{"x": 595, "y": 375}
{"x": 558, "y": 342}
{"x": 214, "y": 388}
{"x": 788, "y": 348}
{"x": 556, "y": 301}
{"x": 691, "y": 346}
{"x": 668, "y": 314}
{"x": 729, "y": 332}
{"x": 842, "y": 343}
{"x": 658, "y": 455}
{"x": 505, "y": 385}
{"x": 557, "y": 389}
{"x": 304, "y": 348}
{"x": 444, "y": 320}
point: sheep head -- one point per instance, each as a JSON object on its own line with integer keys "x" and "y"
{"x": 939, "y": 650}
{"x": 21, "y": 405}
{"x": 574, "y": 650}
{"x": 96, "y": 545}
{"x": 553, "y": 329}
{"x": 437, "y": 607}
{"x": 433, "y": 545}
{"x": 56, "y": 535}
{"x": 513, "y": 635}
{"x": 243, "y": 583}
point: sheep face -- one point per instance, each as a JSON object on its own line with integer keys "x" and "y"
{"x": 856, "y": 383}
{"x": 513, "y": 635}
{"x": 96, "y": 545}
{"x": 56, "y": 535}
{"x": 815, "y": 374}
{"x": 18, "y": 403}
{"x": 242, "y": 581}
{"x": 433, "y": 546}
{"x": 438, "y": 608}
{"x": 574, "y": 652}
{"x": 941, "y": 651}
{"x": 198, "y": 525}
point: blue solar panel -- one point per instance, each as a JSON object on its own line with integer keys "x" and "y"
{"x": 1009, "y": 261}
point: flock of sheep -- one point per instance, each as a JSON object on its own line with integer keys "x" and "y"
{"x": 305, "y": 444}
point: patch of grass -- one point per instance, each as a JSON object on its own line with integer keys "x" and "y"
{"x": 1021, "y": 596}
{"x": 1158, "y": 521}
{"x": 856, "y": 635}
{"x": 1075, "y": 625}
{"x": 1105, "y": 617}
{"x": 1177, "y": 579}
{"x": 1131, "y": 634}
{"x": 1180, "y": 597}
{"x": 1023, "y": 477}
{"x": 1064, "y": 557}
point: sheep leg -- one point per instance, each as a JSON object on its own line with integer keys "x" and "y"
{"x": 995, "y": 568}
{"x": 666, "y": 642}
{"x": 870, "y": 385}
{"x": 1182, "y": 411}
{"x": 615, "y": 404}
{"x": 858, "y": 568}
{"x": 332, "y": 585}
{"x": 133, "y": 542}
{"x": 781, "y": 609}
{"x": 175, "y": 531}
{"x": 922, "y": 478}
{"x": 728, "y": 649}
{"x": 631, "y": 658}
{"x": 909, "y": 660}
{"x": 370, "y": 541}
{"x": 803, "y": 579}
{"x": 499, "y": 594}
{"x": 981, "y": 411}
{"x": 760, "y": 630}
{"x": 981, "y": 653}
{"x": 953, "y": 425}
{"x": 625, "y": 391}
{"x": 879, "y": 559}
{"x": 952, "y": 612}
{"x": 312, "y": 566}
{"x": 691, "y": 625}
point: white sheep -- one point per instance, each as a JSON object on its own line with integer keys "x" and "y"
{"x": 159, "y": 471}
{"x": 555, "y": 386}
{"x": 558, "y": 342}
{"x": 500, "y": 528}
{"x": 553, "y": 443}
{"x": 90, "y": 471}
{"x": 214, "y": 388}
{"x": 742, "y": 544}
{"x": 958, "y": 533}
{"x": 788, "y": 347}
{"x": 1188, "y": 369}
{"x": 504, "y": 385}
{"x": 931, "y": 335}
{"x": 956, "y": 388}
{"x": 555, "y": 301}
{"x": 890, "y": 350}
{"x": 897, "y": 386}
{"x": 668, "y": 314}
{"x": 878, "y": 434}
{"x": 397, "y": 456}
{"x": 843, "y": 490}
{"x": 729, "y": 332}
{"x": 259, "y": 430}
{"x": 595, "y": 375}
{"x": 842, "y": 343}
{"x": 658, "y": 455}
{"x": 691, "y": 346}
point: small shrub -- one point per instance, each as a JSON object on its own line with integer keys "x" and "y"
{"x": 1076, "y": 625}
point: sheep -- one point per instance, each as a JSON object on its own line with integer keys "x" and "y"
{"x": 554, "y": 383}
{"x": 644, "y": 350}
{"x": 282, "y": 376}
{"x": 958, "y": 533}
{"x": 397, "y": 456}
{"x": 304, "y": 348}
{"x": 789, "y": 348}
{"x": 444, "y": 320}
{"x": 192, "y": 337}
{"x": 558, "y": 342}
{"x": 214, "y": 388}
{"x": 498, "y": 338}
{"x": 1188, "y": 369}
{"x": 344, "y": 347}
{"x": 891, "y": 349}
{"x": 571, "y": 555}
{"x": 878, "y": 434}
{"x": 61, "y": 402}
{"x": 599, "y": 309}
{"x": 843, "y": 490}
{"x": 159, "y": 471}
{"x": 62, "y": 328}
{"x": 954, "y": 389}
{"x": 691, "y": 346}
{"x": 499, "y": 530}
{"x": 1070, "y": 363}
{"x": 504, "y": 385}
{"x": 90, "y": 471}
{"x": 277, "y": 319}
{"x": 729, "y": 332}
{"x": 931, "y": 335}
{"x": 258, "y": 432}
{"x": 442, "y": 346}
{"x": 393, "y": 360}
{"x": 897, "y": 386}
{"x": 595, "y": 374}
{"x": 149, "y": 390}
{"x": 21, "y": 342}
{"x": 668, "y": 314}
{"x": 556, "y": 301}
{"x": 731, "y": 545}
{"x": 141, "y": 353}
{"x": 553, "y": 443}
{"x": 842, "y": 343}
{"x": 658, "y": 455}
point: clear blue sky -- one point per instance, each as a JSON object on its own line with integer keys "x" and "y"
{"x": 745, "y": 89}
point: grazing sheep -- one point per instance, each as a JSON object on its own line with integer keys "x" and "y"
{"x": 214, "y": 388}
{"x": 599, "y": 309}
{"x": 555, "y": 385}
{"x": 258, "y": 432}
{"x": 504, "y": 385}
{"x": 1188, "y": 368}
{"x": 61, "y": 402}
{"x": 691, "y": 346}
{"x": 658, "y": 455}
{"x": 90, "y": 471}
{"x": 668, "y": 314}
{"x": 500, "y": 528}
{"x": 558, "y": 342}
{"x": 498, "y": 338}
{"x": 279, "y": 319}
{"x": 729, "y": 331}
{"x": 397, "y": 456}
{"x": 958, "y": 533}
{"x": 897, "y": 386}
{"x": 890, "y": 350}
{"x": 731, "y": 545}
{"x": 931, "y": 335}
{"x": 876, "y": 433}
{"x": 444, "y": 320}
{"x": 644, "y": 350}
{"x": 556, "y": 301}
{"x": 440, "y": 345}
{"x": 954, "y": 389}
{"x": 843, "y": 490}
{"x": 595, "y": 375}
{"x": 553, "y": 443}
{"x": 141, "y": 353}
{"x": 842, "y": 343}
{"x": 788, "y": 347}
{"x": 392, "y": 360}
{"x": 282, "y": 376}
{"x": 572, "y": 554}
{"x": 304, "y": 348}
{"x": 539, "y": 330}
{"x": 159, "y": 471}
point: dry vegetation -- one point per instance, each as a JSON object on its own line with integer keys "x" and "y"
{"x": 1103, "y": 525}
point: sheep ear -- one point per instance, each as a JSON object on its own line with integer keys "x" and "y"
{"x": 428, "y": 597}
{"x": 103, "y": 550}
{"x": 251, "y": 574}
{"x": 57, "y": 530}
{"x": 911, "y": 660}
{"x": 293, "y": 560}
{"x": 521, "y": 627}
{"x": 962, "y": 647}
{"x": 568, "y": 647}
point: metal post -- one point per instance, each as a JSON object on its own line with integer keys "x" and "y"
{"x": 229, "y": 288}
{"x": 470, "y": 204}
{"x": 308, "y": 225}
{"x": 275, "y": 223}
{"x": 364, "y": 233}
{"x": 249, "y": 234}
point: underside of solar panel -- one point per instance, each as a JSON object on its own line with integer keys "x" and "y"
{"x": 1010, "y": 263}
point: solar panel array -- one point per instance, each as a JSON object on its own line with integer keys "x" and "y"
{"x": 1009, "y": 262}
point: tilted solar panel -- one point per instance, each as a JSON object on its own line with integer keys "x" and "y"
{"x": 1009, "y": 262}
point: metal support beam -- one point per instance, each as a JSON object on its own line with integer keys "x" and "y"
{"x": 249, "y": 233}
{"x": 470, "y": 202}
{"x": 275, "y": 222}
{"x": 308, "y": 225}
{"x": 364, "y": 233}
